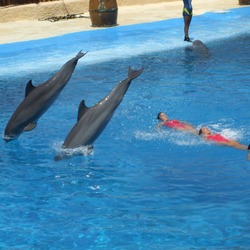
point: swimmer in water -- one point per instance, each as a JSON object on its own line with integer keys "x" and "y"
{"x": 175, "y": 124}
{"x": 187, "y": 16}
{"x": 219, "y": 139}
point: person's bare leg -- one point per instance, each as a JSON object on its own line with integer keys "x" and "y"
{"x": 236, "y": 144}
{"x": 187, "y": 21}
{"x": 189, "y": 128}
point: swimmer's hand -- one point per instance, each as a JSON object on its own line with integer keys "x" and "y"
{"x": 158, "y": 126}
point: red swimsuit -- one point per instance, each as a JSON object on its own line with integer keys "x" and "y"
{"x": 217, "y": 138}
{"x": 174, "y": 124}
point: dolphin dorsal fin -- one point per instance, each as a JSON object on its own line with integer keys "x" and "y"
{"x": 29, "y": 88}
{"x": 81, "y": 110}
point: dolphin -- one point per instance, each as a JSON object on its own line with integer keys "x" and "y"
{"x": 92, "y": 121}
{"x": 199, "y": 48}
{"x": 38, "y": 100}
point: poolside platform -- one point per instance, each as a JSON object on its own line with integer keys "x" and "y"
{"x": 27, "y": 22}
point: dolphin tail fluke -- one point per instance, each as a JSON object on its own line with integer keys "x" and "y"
{"x": 132, "y": 74}
{"x": 80, "y": 54}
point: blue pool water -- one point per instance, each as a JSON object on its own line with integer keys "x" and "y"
{"x": 141, "y": 188}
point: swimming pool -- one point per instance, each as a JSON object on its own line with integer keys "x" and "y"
{"x": 141, "y": 188}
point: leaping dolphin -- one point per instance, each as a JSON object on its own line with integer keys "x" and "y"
{"x": 38, "y": 99}
{"x": 92, "y": 121}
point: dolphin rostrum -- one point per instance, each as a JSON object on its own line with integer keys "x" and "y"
{"x": 92, "y": 121}
{"x": 38, "y": 99}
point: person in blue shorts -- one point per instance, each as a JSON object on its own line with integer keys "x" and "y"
{"x": 187, "y": 15}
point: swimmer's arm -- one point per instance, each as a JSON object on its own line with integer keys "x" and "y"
{"x": 159, "y": 125}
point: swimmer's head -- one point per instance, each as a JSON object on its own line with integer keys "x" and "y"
{"x": 204, "y": 131}
{"x": 162, "y": 116}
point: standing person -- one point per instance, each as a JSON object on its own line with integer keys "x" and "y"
{"x": 187, "y": 15}
{"x": 175, "y": 124}
{"x": 219, "y": 139}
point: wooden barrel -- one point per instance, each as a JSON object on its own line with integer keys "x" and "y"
{"x": 244, "y": 2}
{"x": 103, "y": 13}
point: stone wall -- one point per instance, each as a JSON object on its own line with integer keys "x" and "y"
{"x": 57, "y": 8}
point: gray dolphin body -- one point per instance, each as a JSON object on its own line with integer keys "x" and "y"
{"x": 92, "y": 121}
{"x": 200, "y": 47}
{"x": 38, "y": 99}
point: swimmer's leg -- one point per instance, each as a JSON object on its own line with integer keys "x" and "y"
{"x": 236, "y": 144}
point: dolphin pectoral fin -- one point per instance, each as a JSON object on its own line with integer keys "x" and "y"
{"x": 30, "y": 127}
{"x": 81, "y": 110}
{"x": 132, "y": 74}
{"x": 29, "y": 87}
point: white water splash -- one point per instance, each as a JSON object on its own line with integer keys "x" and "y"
{"x": 171, "y": 136}
{"x": 61, "y": 153}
